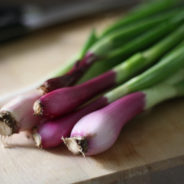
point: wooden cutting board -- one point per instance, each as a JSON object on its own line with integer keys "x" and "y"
{"x": 149, "y": 150}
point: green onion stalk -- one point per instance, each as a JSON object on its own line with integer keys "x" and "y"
{"x": 139, "y": 13}
{"x": 140, "y": 43}
{"x": 167, "y": 66}
{"x": 100, "y": 49}
{"x": 49, "y": 134}
{"x": 64, "y": 100}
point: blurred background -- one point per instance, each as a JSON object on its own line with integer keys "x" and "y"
{"x": 19, "y": 18}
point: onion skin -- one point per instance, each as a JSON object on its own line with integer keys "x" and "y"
{"x": 71, "y": 77}
{"x": 62, "y": 101}
{"x": 101, "y": 128}
{"x": 48, "y": 134}
{"x": 10, "y": 96}
{"x": 18, "y": 113}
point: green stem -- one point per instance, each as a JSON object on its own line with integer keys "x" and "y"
{"x": 92, "y": 40}
{"x": 143, "y": 41}
{"x": 139, "y": 13}
{"x": 160, "y": 71}
{"x": 64, "y": 69}
{"x": 139, "y": 61}
{"x": 166, "y": 67}
{"x": 158, "y": 94}
{"x": 128, "y": 33}
{"x": 96, "y": 69}
{"x": 162, "y": 92}
{"x": 131, "y": 66}
{"x": 178, "y": 77}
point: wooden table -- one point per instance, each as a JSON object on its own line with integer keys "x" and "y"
{"x": 149, "y": 150}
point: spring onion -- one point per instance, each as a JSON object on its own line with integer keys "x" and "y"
{"x": 98, "y": 131}
{"x": 65, "y": 100}
{"x": 99, "y": 50}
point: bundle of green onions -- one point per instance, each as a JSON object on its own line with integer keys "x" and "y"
{"x": 133, "y": 65}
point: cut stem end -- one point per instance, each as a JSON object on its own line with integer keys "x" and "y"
{"x": 37, "y": 139}
{"x": 43, "y": 89}
{"x": 37, "y": 107}
{"x": 77, "y": 145}
{"x": 8, "y": 124}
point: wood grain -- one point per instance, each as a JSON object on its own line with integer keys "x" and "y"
{"x": 148, "y": 147}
